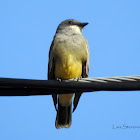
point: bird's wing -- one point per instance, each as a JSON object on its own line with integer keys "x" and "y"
{"x": 85, "y": 66}
{"x": 51, "y": 69}
{"x": 85, "y": 70}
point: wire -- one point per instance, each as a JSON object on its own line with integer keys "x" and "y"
{"x": 25, "y": 87}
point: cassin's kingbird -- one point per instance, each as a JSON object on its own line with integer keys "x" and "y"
{"x": 68, "y": 58}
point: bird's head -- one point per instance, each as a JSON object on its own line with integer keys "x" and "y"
{"x": 72, "y": 25}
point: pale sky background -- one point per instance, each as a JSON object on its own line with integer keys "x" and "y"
{"x": 27, "y": 28}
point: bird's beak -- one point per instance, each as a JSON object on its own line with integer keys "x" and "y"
{"x": 83, "y": 24}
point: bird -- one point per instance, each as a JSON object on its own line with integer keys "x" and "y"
{"x": 68, "y": 59}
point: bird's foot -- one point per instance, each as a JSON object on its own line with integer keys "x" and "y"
{"x": 77, "y": 78}
{"x": 59, "y": 80}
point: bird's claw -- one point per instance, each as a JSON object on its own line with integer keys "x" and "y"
{"x": 77, "y": 78}
{"x": 59, "y": 80}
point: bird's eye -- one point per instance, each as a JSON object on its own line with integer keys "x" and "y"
{"x": 70, "y": 22}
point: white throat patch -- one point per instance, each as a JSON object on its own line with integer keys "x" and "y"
{"x": 76, "y": 29}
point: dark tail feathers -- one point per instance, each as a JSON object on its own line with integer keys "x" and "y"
{"x": 63, "y": 118}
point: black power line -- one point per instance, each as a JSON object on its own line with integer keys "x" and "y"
{"x": 25, "y": 87}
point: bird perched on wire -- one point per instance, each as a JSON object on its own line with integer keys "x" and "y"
{"x": 68, "y": 58}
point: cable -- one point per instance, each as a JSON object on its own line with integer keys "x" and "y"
{"x": 25, "y": 87}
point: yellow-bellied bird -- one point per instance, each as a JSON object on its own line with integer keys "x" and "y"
{"x": 68, "y": 58}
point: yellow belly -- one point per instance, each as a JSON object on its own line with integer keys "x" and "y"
{"x": 67, "y": 68}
